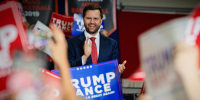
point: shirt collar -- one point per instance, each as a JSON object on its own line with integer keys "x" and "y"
{"x": 89, "y": 35}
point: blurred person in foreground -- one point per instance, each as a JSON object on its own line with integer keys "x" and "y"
{"x": 58, "y": 46}
{"x": 91, "y": 47}
{"x": 186, "y": 63}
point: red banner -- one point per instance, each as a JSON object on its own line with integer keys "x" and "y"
{"x": 63, "y": 22}
{"x": 12, "y": 36}
{"x": 51, "y": 83}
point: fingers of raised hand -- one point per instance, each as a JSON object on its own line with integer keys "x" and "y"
{"x": 57, "y": 33}
{"x": 121, "y": 68}
{"x": 124, "y": 62}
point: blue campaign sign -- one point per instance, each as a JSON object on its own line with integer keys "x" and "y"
{"x": 78, "y": 25}
{"x": 98, "y": 81}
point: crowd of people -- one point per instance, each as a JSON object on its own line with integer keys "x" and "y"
{"x": 91, "y": 47}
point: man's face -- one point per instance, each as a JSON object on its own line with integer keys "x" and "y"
{"x": 92, "y": 21}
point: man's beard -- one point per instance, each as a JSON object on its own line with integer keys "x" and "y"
{"x": 95, "y": 31}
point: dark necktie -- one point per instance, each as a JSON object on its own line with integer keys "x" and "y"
{"x": 94, "y": 51}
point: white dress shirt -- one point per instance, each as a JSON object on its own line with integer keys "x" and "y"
{"x": 97, "y": 41}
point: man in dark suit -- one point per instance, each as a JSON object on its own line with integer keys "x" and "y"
{"x": 91, "y": 47}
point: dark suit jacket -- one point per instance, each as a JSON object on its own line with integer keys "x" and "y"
{"x": 108, "y": 50}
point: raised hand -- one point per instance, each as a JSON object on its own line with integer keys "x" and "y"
{"x": 186, "y": 63}
{"x": 122, "y": 67}
{"x": 58, "y": 46}
{"x": 87, "y": 49}
{"x": 186, "y": 58}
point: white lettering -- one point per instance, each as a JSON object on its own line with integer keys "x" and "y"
{"x": 70, "y": 25}
{"x": 98, "y": 79}
{"x": 110, "y": 76}
{"x": 75, "y": 83}
{"x": 101, "y": 83}
{"x": 89, "y": 91}
{"x": 96, "y": 89}
{"x": 58, "y": 23}
{"x": 54, "y": 19}
{"x": 64, "y": 23}
{"x": 88, "y": 82}
{"x": 79, "y": 92}
{"x": 7, "y": 35}
{"x": 107, "y": 87}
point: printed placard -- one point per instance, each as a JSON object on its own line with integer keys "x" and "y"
{"x": 39, "y": 37}
{"x": 12, "y": 37}
{"x": 63, "y": 22}
{"x": 51, "y": 83}
{"x": 156, "y": 56}
{"x": 98, "y": 81}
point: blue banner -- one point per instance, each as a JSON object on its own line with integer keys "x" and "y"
{"x": 98, "y": 81}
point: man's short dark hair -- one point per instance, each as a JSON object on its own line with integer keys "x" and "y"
{"x": 93, "y": 7}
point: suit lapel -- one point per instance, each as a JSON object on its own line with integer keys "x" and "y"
{"x": 100, "y": 50}
{"x": 80, "y": 42}
{"x": 82, "y": 38}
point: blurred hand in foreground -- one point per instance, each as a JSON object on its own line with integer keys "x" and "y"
{"x": 58, "y": 46}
